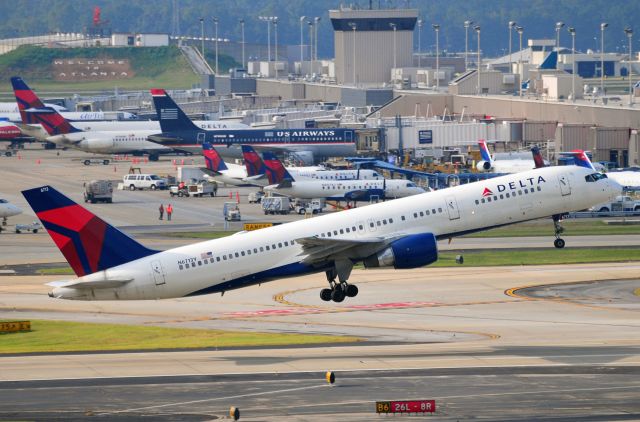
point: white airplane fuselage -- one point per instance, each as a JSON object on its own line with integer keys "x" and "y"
{"x": 627, "y": 179}
{"x": 112, "y": 142}
{"x": 253, "y": 257}
{"x": 7, "y": 209}
{"x": 342, "y": 190}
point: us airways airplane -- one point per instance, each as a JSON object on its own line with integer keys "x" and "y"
{"x": 307, "y": 144}
{"x": 29, "y": 103}
{"x": 502, "y": 166}
{"x": 109, "y": 265}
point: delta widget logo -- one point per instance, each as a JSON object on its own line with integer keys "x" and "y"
{"x": 486, "y": 192}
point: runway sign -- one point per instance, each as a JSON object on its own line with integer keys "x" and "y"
{"x": 256, "y": 226}
{"x": 409, "y": 406}
{"x": 14, "y": 326}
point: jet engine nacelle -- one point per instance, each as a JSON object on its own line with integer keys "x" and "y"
{"x": 483, "y": 166}
{"x": 95, "y": 144}
{"x": 412, "y": 251}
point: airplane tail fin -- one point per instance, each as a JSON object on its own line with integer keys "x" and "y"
{"x": 52, "y": 121}
{"x": 484, "y": 151}
{"x": 212, "y": 158}
{"x": 276, "y": 172}
{"x": 170, "y": 115}
{"x": 537, "y": 157}
{"x": 252, "y": 161}
{"x": 88, "y": 243}
{"x": 581, "y": 159}
{"x": 25, "y": 98}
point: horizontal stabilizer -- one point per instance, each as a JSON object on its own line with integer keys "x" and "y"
{"x": 96, "y": 284}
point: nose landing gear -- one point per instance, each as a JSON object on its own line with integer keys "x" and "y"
{"x": 559, "y": 242}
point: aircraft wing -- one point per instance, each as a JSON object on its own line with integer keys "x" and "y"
{"x": 97, "y": 284}
{"x": 209, "y": 172}
{"x": 319, "y": 249}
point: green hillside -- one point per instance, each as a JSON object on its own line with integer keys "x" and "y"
{"x": 154, "y": 67}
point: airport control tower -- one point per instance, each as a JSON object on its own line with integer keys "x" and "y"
{"x": 364, "y": 43}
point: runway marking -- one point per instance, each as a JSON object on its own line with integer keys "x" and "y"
{"x": 239, "y": 396}
{"x": 304, "y": 309}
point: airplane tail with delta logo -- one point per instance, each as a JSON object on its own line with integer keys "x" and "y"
{"x": 170, "y": 116}
{"x": 88, "y": 243}
{"x": 276, "y": 172}
{"x": 52, "y": 121}
{"x": 26, "y": 99}
{"x": 484, "y": 151}
{"x": 212, "y": 158}
{"x": 252, "y": 161}
{"x": 581, "y": 159}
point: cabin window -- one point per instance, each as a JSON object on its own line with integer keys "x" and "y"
{"x": 488, "y": 199}
{"x": 180, "y": 267}
{"x": 218, "y": 258}
{"x": 421, "y": 214}
{"x": 267, "y": 247}
{"x": 335, "y": 232}
{"x": 242, "y": 253}
{"x": 353, "y": 228}
{"x": 415, "y": 215}
{"x": 341, "y": 231}
{"x": 507, "y": 195}
{"x": 403, "y": 219}
{"x": 391, "y": 221}
{"x": 286, "y": 243}
{"x": 255, "y": 250}
{"x": 273, "y": 246}
{"x": 237, "y": 254}
{"x": 361, "y": 227}
{"x": 199, "y": 263}
{"x": 519, "y": 192}
{"x": 539, "y": 188}
{"x": 261, "y": 249}
{"x": 482, "y": 200}
{"x": 248, "y": 251}
{"x": 348, "y": 230}
{"x": 280, "y": 244}
{"x": 378, "y": 223}
{"x": 477, "y": 202}
{"x": 433, "y": 211}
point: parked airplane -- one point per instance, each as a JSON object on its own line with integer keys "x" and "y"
{"x": 216, "y": 168}
{"x": 64, "y": 134}
{"x": 7, "y": 209}
{"x": 502, "y": 166}
{"x": 337, "y": 190}
{"x": 307, "y": 144}
{"x": 29, "y": 103}
{"x": 110, "y": 265}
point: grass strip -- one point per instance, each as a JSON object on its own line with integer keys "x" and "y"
{"x": 62, "y": 336}
{"x": 572, "y": 228}
{"x": 482, "y": 258}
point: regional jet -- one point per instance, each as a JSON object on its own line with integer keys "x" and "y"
{"x": 7, "y": 209}
{"x": 110, "y": 265}
{"x": 488, "y": 164}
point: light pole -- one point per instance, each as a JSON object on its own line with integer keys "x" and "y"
{"x": 394, "y": 27}
{"x": 268, "y": 20}
{"x": 559, "y": 26}
{"x": 629, "y": 33}
{"x": 603, "y": 26}
{"x": 302, "y": 18}
{"x": 316, "y": 21}
{"x": 353, "y": 26}
{"x": 520, "y": 30}
{"x": 467, "y": 24}
{"x": 420, "y": 23}
{"x": 202, "y": 37}
{"x": 310, "y": 22}
{"x": 512, "y": 25}
{"x": 275, "y": 42}
{"x": 242, "y": 32}
{"x": 572, "y": 31}
{"x": 477, "y": 28}
{"x": 436, "y": 28}
{"x": 215, "y": 23}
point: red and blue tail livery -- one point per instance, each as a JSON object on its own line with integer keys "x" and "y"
{"x": 212, "y": 159}
{"x": 252, "y": 161}
{"x": 484, "y": 151}
{"x": 25, "y": 98}
{"x": 52, "y": 121}
{"x": 276, "y": 172}
{"x": 88, "y": 243}
{"x": 581, "y": 159}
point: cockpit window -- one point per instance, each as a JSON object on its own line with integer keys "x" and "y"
{"x": 594, "y": 177}
{"x": 411, "y": 185}
{"x": 3, "y": 201}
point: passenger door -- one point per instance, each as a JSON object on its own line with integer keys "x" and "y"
{"x": 452, "y": 207}
{"x": 565, "y": 186}
{"x": 157, "y": 272}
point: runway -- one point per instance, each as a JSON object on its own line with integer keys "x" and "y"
{"x": 510, "y": 343}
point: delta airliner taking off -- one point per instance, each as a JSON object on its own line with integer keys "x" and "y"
{"x": 402, "y": 234}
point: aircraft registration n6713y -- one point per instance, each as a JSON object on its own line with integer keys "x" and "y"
{"x": 401, "y": 234}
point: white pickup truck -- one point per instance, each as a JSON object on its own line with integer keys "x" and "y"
{"x": 622, "y": 203}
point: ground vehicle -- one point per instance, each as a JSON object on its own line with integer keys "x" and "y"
{"x": 143, "y": 181}
{"x": 90, "y": 161}
{"x": 194, "y": 189}
{"x": 98, "y": 191}
{"x": 276, "y": 205}
{"x": 231, "y": 211}
{"x": 256, "y": 197}
{"x": 622, "y": 203}
{"x": 33, "y": 227}
{"x": 313, "y": 206}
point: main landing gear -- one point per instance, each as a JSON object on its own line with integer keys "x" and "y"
{"x": 340, "y": 289}
{"x": 559, "y": 242}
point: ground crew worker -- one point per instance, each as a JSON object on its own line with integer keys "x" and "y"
{"x": 169, "y": 212}
{"x": 161, "y": 211}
